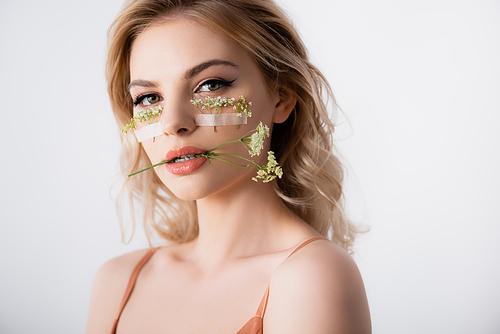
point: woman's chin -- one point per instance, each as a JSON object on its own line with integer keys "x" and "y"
{"x": 198, "y": 186}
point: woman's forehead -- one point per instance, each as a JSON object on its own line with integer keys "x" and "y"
{"x": 178, "y": 44}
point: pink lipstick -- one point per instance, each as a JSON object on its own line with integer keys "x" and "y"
{"x": 184, "y": 160}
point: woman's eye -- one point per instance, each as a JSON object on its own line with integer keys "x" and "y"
{"x": 213, "y": 85}
{"x": 152, "y": 99}
{"x": 147, "y": 100}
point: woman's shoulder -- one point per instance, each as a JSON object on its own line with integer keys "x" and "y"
{"x": 108, "y": 288}
{"x": 115, "y": 273}
{"x": 318, "y": 288}
{"x": 321, "y": 263}
{"x": 119, "y": 269}
{"x": 321, "y": 257}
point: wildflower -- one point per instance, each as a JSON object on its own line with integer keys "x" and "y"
{"x": 148, "y": 116}
{"x": 257, "y": 140}
{"x": 253, "y": 141}
{"x": 241, "y": 107}
{"x": 212, "y": 105}
{"x": 269, "y": 171}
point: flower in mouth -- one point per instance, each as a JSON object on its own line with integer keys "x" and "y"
{"x": 253, "y": 141}
{"x": 269, "y": 171}
{"x": 257, "y": 140}
{"x": 183, "y": 158}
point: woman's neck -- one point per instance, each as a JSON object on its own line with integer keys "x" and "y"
{"x": 238, "y": 222}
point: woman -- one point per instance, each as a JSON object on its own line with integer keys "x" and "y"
{"x": 231, "y": 237}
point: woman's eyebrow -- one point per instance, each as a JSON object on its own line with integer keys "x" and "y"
{"x": 189, "y": 74}
{"x": 203, "y": 66}
{"x": 141, "y": 83}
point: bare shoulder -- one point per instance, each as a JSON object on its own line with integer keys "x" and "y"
{"x": 108, "y": 289}
{"x": 318, "y": 290}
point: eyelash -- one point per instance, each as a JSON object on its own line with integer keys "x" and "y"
{"x": 138, "y": 100}
{"x": 221, "y": 82}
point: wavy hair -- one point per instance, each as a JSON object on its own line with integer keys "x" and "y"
{"x": 312, "y": 182}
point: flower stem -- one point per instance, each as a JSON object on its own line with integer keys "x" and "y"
{"x": 237, "y": 156}
{"x": 229, "y": 142}
{"x": 158, "y": 164}
{"x": 206, "y": 155}
{"x": 232, "y": 163}
{"x": 253, "y": 145}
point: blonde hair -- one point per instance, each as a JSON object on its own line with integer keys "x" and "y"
{"x": 312, "y": 182}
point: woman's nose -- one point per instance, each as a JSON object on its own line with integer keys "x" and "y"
{"x": 177, "y": 119}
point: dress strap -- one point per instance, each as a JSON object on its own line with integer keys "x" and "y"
{"x": 305, "y": 243}
{"x": 263, "y": 303}
{"x": 131, "y": 284}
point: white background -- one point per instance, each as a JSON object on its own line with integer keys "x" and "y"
{"x": 419, "y": 82}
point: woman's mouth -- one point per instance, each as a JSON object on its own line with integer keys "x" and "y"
{"x": 184, "y": 160}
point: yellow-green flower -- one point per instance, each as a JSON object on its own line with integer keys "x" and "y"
{"x": 212, "y": 105}
{"x": 242, "y": 107}
{"x": 269, "y": 171}
{"x": 257, "y": 140}
{"x": 148, "y": 116}
{"x": 253, "y": 141}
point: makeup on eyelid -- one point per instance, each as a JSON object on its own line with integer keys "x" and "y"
{"x": 212, "y": 114}
{"x": 138, "y": 101}
{"x": 222, "y": 83}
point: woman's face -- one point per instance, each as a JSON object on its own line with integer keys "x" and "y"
{"x": 180, "y": 60}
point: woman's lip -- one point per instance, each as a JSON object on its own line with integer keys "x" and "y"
{"x": 185, "y": 167}
{"x": 184, "y": 150}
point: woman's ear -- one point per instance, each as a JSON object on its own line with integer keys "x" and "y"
{"x": 284, "y": 106}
